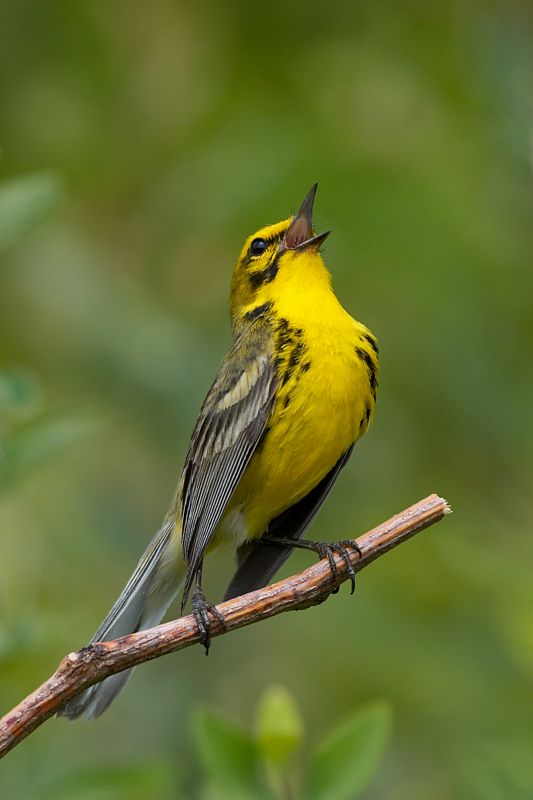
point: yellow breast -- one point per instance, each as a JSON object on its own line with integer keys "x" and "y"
{"x": 323, "y": 404}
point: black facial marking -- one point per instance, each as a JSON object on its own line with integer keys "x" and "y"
{"x": 367, "y": 358}
{"x": 258, "y": 311}
{"x": 264, "y": 276}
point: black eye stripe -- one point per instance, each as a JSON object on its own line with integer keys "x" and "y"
{"x": 263, "y": 276}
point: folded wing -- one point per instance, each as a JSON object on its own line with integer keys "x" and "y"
{"x": 229, "y": 428}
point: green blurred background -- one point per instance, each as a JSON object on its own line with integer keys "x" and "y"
{"x": 140, "y": 144}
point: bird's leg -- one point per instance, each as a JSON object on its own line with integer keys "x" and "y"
{"x": 201, "y": 610}
{"x": 323, "y": 550}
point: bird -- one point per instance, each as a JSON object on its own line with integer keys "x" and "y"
{"x": 293, "y": 395}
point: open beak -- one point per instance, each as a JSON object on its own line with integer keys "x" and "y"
{"x": 299, "y": 234}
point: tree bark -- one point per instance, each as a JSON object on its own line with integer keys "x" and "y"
{"x": 92, "y": 664}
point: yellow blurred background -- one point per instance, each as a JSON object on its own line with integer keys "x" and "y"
{"x": 147, "y": 140}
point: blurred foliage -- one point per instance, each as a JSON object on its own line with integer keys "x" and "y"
{"x": 244, "y": 766}
{"x": 131, "y": 782}
{"x": 26, "y": 438}
{"x": 23, "y": 203}
{"x": 348, "y": 757}
{"x": 138, "y": 147}
{"x": 278, "y": 727}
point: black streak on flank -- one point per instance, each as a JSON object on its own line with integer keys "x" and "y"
{"x": 372, "y": 342}
{"x": 365, "y": 419}
{"x": 296, "y": 354}
{"x": 290, "y": 348}
{"x": 258, "y": 311}
{"x": 367, "y": 358}
{"x": 305, "y": 366}
{"x": 284, "y": 334}
{"x": 263, "y": 276}
{"x": 287, "y": 400}
{"x": 294, "y": 359}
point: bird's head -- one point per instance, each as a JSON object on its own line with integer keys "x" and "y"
{"x": 278, "y": 257}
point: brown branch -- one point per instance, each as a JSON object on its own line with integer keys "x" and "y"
{"x": 92, "y": 664}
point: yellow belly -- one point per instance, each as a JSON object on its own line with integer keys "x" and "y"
{"x": 317, "y": 416}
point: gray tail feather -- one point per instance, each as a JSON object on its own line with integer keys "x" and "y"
{"x": 142, "y": 604}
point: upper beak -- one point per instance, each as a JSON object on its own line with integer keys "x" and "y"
{"x": 299, "y": 235}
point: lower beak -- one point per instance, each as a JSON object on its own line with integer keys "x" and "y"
{"x": 314, "y": 241}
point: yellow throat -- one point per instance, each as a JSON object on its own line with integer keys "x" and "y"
{"x": 326, "y": 362}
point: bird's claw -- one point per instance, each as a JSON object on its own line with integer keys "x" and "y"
{"x": 327, "y": 549}
{"x": 201, "y": 610}
{"x": 324, "y": 550}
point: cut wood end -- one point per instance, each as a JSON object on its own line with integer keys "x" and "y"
{"x": 447, "y": 507}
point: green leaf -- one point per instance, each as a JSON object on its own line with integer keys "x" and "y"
{"x": 344, "y": 763}
{"x": 279, "y": 727}
{"x": 24, "y": 203}
{"x": 34, "y": 444}
{"x": 228, "y": 755}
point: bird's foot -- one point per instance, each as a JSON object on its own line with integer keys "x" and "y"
{"x": 328, "y": 549}
{"x": 323, "y": 550}
{"x": 202, "y": 610}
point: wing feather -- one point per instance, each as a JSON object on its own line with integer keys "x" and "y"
{"x": 229, "y": 427}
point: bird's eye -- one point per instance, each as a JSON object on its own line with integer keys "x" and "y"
{"x": 257, "y": 247}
